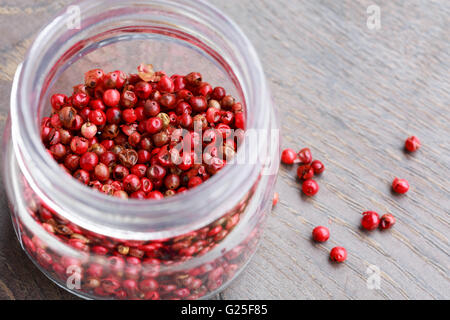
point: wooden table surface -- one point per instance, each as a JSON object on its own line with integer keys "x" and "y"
{"x": 350, "y": 94}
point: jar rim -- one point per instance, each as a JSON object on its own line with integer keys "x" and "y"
{"x": 109, "y": 215}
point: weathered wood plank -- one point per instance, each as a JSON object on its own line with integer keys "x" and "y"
{"x": 350, "y": 94}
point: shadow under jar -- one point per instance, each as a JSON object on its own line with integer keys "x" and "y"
{"x": 188, "y": 246}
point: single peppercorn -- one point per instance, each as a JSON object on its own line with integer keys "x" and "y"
{"x": 288, "y": 156}
{"x": 172, "y": 181}
{"x": 305, "y": 156}
{"x": 67, "y": 117}
{"x": 101, "y": 172}
{"x": 370, "y": 220}
{"x": 111, "y": 97}
{"x": 321, "y": 234}
{"x": 310, "y": 187}
{"x": 412, "y": 144}
{"x": 88, "y": 130}
{"x": 387, "y": 221}
{"x": 317, "y": 166}
{"x": 275, "y": 199}
{"x": 97, "y": 117}
{"x": 58, "y": 101}
{"x": 154, "y": 125}
{"x": 338, "y": 254}
{"x": 79, "y": 145}
{"x": 400, "y": 185}
{"x": 88, "y": 161}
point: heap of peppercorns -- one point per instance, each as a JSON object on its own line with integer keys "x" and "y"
{"x": 307, "y": 169}
{"x": 370, "y": 220}
{"x": 117, "y": 133}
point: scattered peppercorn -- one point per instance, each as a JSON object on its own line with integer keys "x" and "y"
{"x": 338, "y": 254}
{"x": 276, "y": 197}
{"x": 387, "y": 221}
{"x": 400, "y": 185}
{"x": 321, "y": 234}
{"x": 310, "y": 187}
{"x": 288, "y": 156}
{"x": 412, "y": 144}
{"x": 370, "y": 220}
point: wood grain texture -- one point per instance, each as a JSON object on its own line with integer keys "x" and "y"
{"x": 350, "y": 94}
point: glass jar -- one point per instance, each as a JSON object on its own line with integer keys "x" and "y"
{"x": 188, "y": 246}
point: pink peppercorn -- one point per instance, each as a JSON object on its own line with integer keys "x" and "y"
{"x": 338, "y": 254}
{"x": 321, "y": 234}
{"x": 400, "y": 185}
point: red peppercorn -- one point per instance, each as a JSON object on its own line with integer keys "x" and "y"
{"x": 101, "y": 172}
{"x": 129, "y": 116}
{"x": 131, "y": 183}
{"x": 288, "y": 156}
{"x": 72, "y": 162}
{"x": 97, "y": 104}
{"x": 338, "y": 254}
{"x": 97, "y": 117}
{"x": 168, "y": 100}
{"x": 305, "y": 156}
{"x": 218, "y": 93}
{"x": 82, "y": 176}
{"x": 88, "y": 130}
{"x": 146, "y": 185}
{"x": 204, "y": 89}
{"x": 317, "y": 166}
{"x": 172, "y": 181}
{"x": 370, "y": 220}
{"x": 120, "y": 172}
{"x": 387, "y": 221}
{"x": 93, "y": 77}
{"x": 194, "y": 79}
{"x": 58, "y": 151}
{"x": 67, "y": 116}
{"x": 143, "y": 89}
{"x": 194, "y": 182}
{"x": 88, "y": 161}
{"x": 80, "y": 100}
{"x": 400, "y": 185}
{"x": 111, "y": 97}
{"x": 155, "y": 195}
{"x": 108, "y": 158}
{"x": 239, "y": 120}
{"x": 275, "y": 199}
{"x": 227, "y": 102}
{"x": 165, "y": 84}
{"x": 79, "y": 145}
{"x": 128, "y": 99}
{"x": 186, "y": 121}
{"x": 305, "y": 172}
{"x": 143, "y": 156}
{"x": 179, "y": 83}
{"x": 198, "y": 103}
{"x": 213, "y": 115}
{"x": 154, "y": 125}
{"x": 412, "y": 144}
{"x": 321, "y": 234}
{"x": 149, "y": 284}
{"x": 77, "y": 123}
{"x": 58, "y": 101}
{"x": 310, "y": 187}
{"x": 186, "y": 161}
